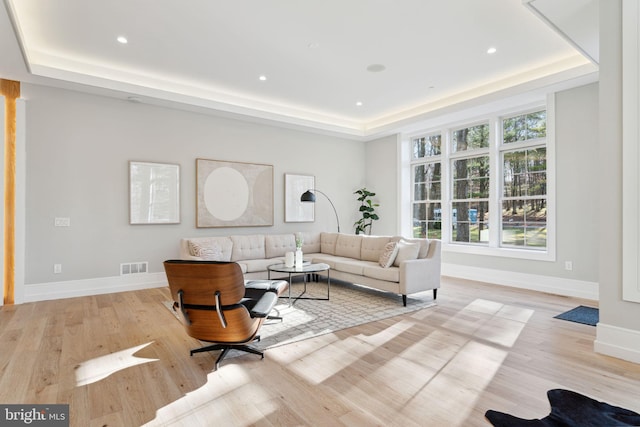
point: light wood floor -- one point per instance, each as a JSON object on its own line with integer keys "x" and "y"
{"x": 482, "y": 347}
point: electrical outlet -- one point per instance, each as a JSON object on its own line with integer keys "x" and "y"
{"x": 57, "y": 268}
{"x": 568, "y": 265}
{"x": 62, "y": 222}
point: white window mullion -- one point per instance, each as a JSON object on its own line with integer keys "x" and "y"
{"x": 495, "y": 164}
{"x": 447, "y": 177}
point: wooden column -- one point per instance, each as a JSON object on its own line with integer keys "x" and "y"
{"x": 11, "y": 91}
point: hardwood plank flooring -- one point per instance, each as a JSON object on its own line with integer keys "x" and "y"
{"x": 123, "y": 360}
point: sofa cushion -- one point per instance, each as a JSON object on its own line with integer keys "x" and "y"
{"x": 388, "y": 256}
{"x": 374, "y": 271}
{"x": 372, "y": 247}
{"x": 254, "y": 265}
{"x": 349, "y": 266}
{"x": 206, "y": 252}
{"x": 424, "y": 244}
{"x": 406, "y": 251}
{"x": 210, "y": 248}
{"x": 248, "y": 247}
{"x": 348, "y": 245}
{"x": 310, "y": 242}
{"x": 330, "y": 260}
{"x": 276, "y": 245}
{"x": 328, "y": 243}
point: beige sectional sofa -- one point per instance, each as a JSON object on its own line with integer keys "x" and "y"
{"x": 352, "y": 258}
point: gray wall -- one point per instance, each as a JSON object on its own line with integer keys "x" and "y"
{"x": 382, "y": 178}
{"x": 78, "y": 147}
{"x": 613, "y": 310}
{"x": 577, "y": 219}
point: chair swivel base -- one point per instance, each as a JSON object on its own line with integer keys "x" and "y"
{"x": 225, "y": 349}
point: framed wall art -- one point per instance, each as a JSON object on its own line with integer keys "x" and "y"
{"x": 294, "y": 209}
{"x": 154, "y": 193}
{"x": 233, "y": 194}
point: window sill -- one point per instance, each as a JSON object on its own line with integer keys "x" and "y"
{"x": 545, "y": 255}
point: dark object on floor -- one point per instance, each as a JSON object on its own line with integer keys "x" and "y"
{"x": 571, "y": 409}
{"x": 581, "y": 314}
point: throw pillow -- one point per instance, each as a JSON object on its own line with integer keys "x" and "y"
{"x": 209, "y": 253}
{"x": 406, "y": 251}
{"x": 388, "y": 255}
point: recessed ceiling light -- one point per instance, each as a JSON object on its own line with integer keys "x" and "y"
{"x": 492, "y": 50}
{"x": 262, "y": 78}
{"x": 376, "y": 68}
{"x": 359, "y": 103}
{"x": 123, "y": 40}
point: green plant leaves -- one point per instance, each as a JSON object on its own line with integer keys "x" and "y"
{"x": 367, "y": 210}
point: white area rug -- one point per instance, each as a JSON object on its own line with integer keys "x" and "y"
{"x": 349, "y": 305}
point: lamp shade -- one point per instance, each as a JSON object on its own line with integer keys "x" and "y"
{"x": 308, "y": 196}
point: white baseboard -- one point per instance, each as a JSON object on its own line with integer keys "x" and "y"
{"x": 104, "y": 285}
{"x": 618, "y": 342}
{"x": 534, "y": 282}
{"x": 97, "y": 286}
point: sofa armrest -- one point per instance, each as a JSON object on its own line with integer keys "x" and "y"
{"x": 418, "y": 275}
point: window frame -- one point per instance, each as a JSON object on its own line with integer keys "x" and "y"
{"x": 495, "y": 150}
{"x": 427, "y": 160}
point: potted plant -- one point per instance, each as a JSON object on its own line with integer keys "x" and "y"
{"x": 367, "y": 210}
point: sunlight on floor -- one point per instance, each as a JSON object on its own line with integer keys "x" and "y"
{"x": 101, "y": 367}
{"x": 444, "y": 372}
{"x": 202, "y": 406}
{"x": 332, "y": 359}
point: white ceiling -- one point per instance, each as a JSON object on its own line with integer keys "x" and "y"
{"x": 209, "y": 54}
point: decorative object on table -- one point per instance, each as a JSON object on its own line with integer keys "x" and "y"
{"x": 299, "y": 259}
{"x": 570, "y": 409}
{"x": 233, "y": 194}
{"x": 294, "y": 209}
{"x": 289, "y": 259}
{"x": 367, "y": 210}
{"x": 299, "y": 256}
{"x": 309, "y": 196}
{"x": 154, "y": 193}
{"x": 581, "y": 314}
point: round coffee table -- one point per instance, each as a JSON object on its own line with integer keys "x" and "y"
{"x": 305, "y": 270}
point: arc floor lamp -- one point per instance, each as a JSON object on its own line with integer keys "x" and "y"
{"x": 309, "y": 196}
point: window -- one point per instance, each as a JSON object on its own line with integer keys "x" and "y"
{"x": 470, "y": 184}
{"x": 427, "y": 187}
{"x": 483, "y": 185}
{"x": 524, "y": 187}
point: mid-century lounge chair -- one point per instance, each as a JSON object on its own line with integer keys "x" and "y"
{"x": 210, "y": 296}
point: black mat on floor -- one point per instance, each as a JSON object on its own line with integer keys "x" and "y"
{"x": 581, "y": 314}
{"x": 570, "y": 409}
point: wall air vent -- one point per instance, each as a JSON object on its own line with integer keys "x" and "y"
{"x": 134, "y": 268}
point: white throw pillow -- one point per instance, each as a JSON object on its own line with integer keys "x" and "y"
{"x": 209, "y": 253}
{"x": 406, "y": 251}
{"x": 388, "y": 255}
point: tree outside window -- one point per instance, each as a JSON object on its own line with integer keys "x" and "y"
{"x": 470, "y": 200}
